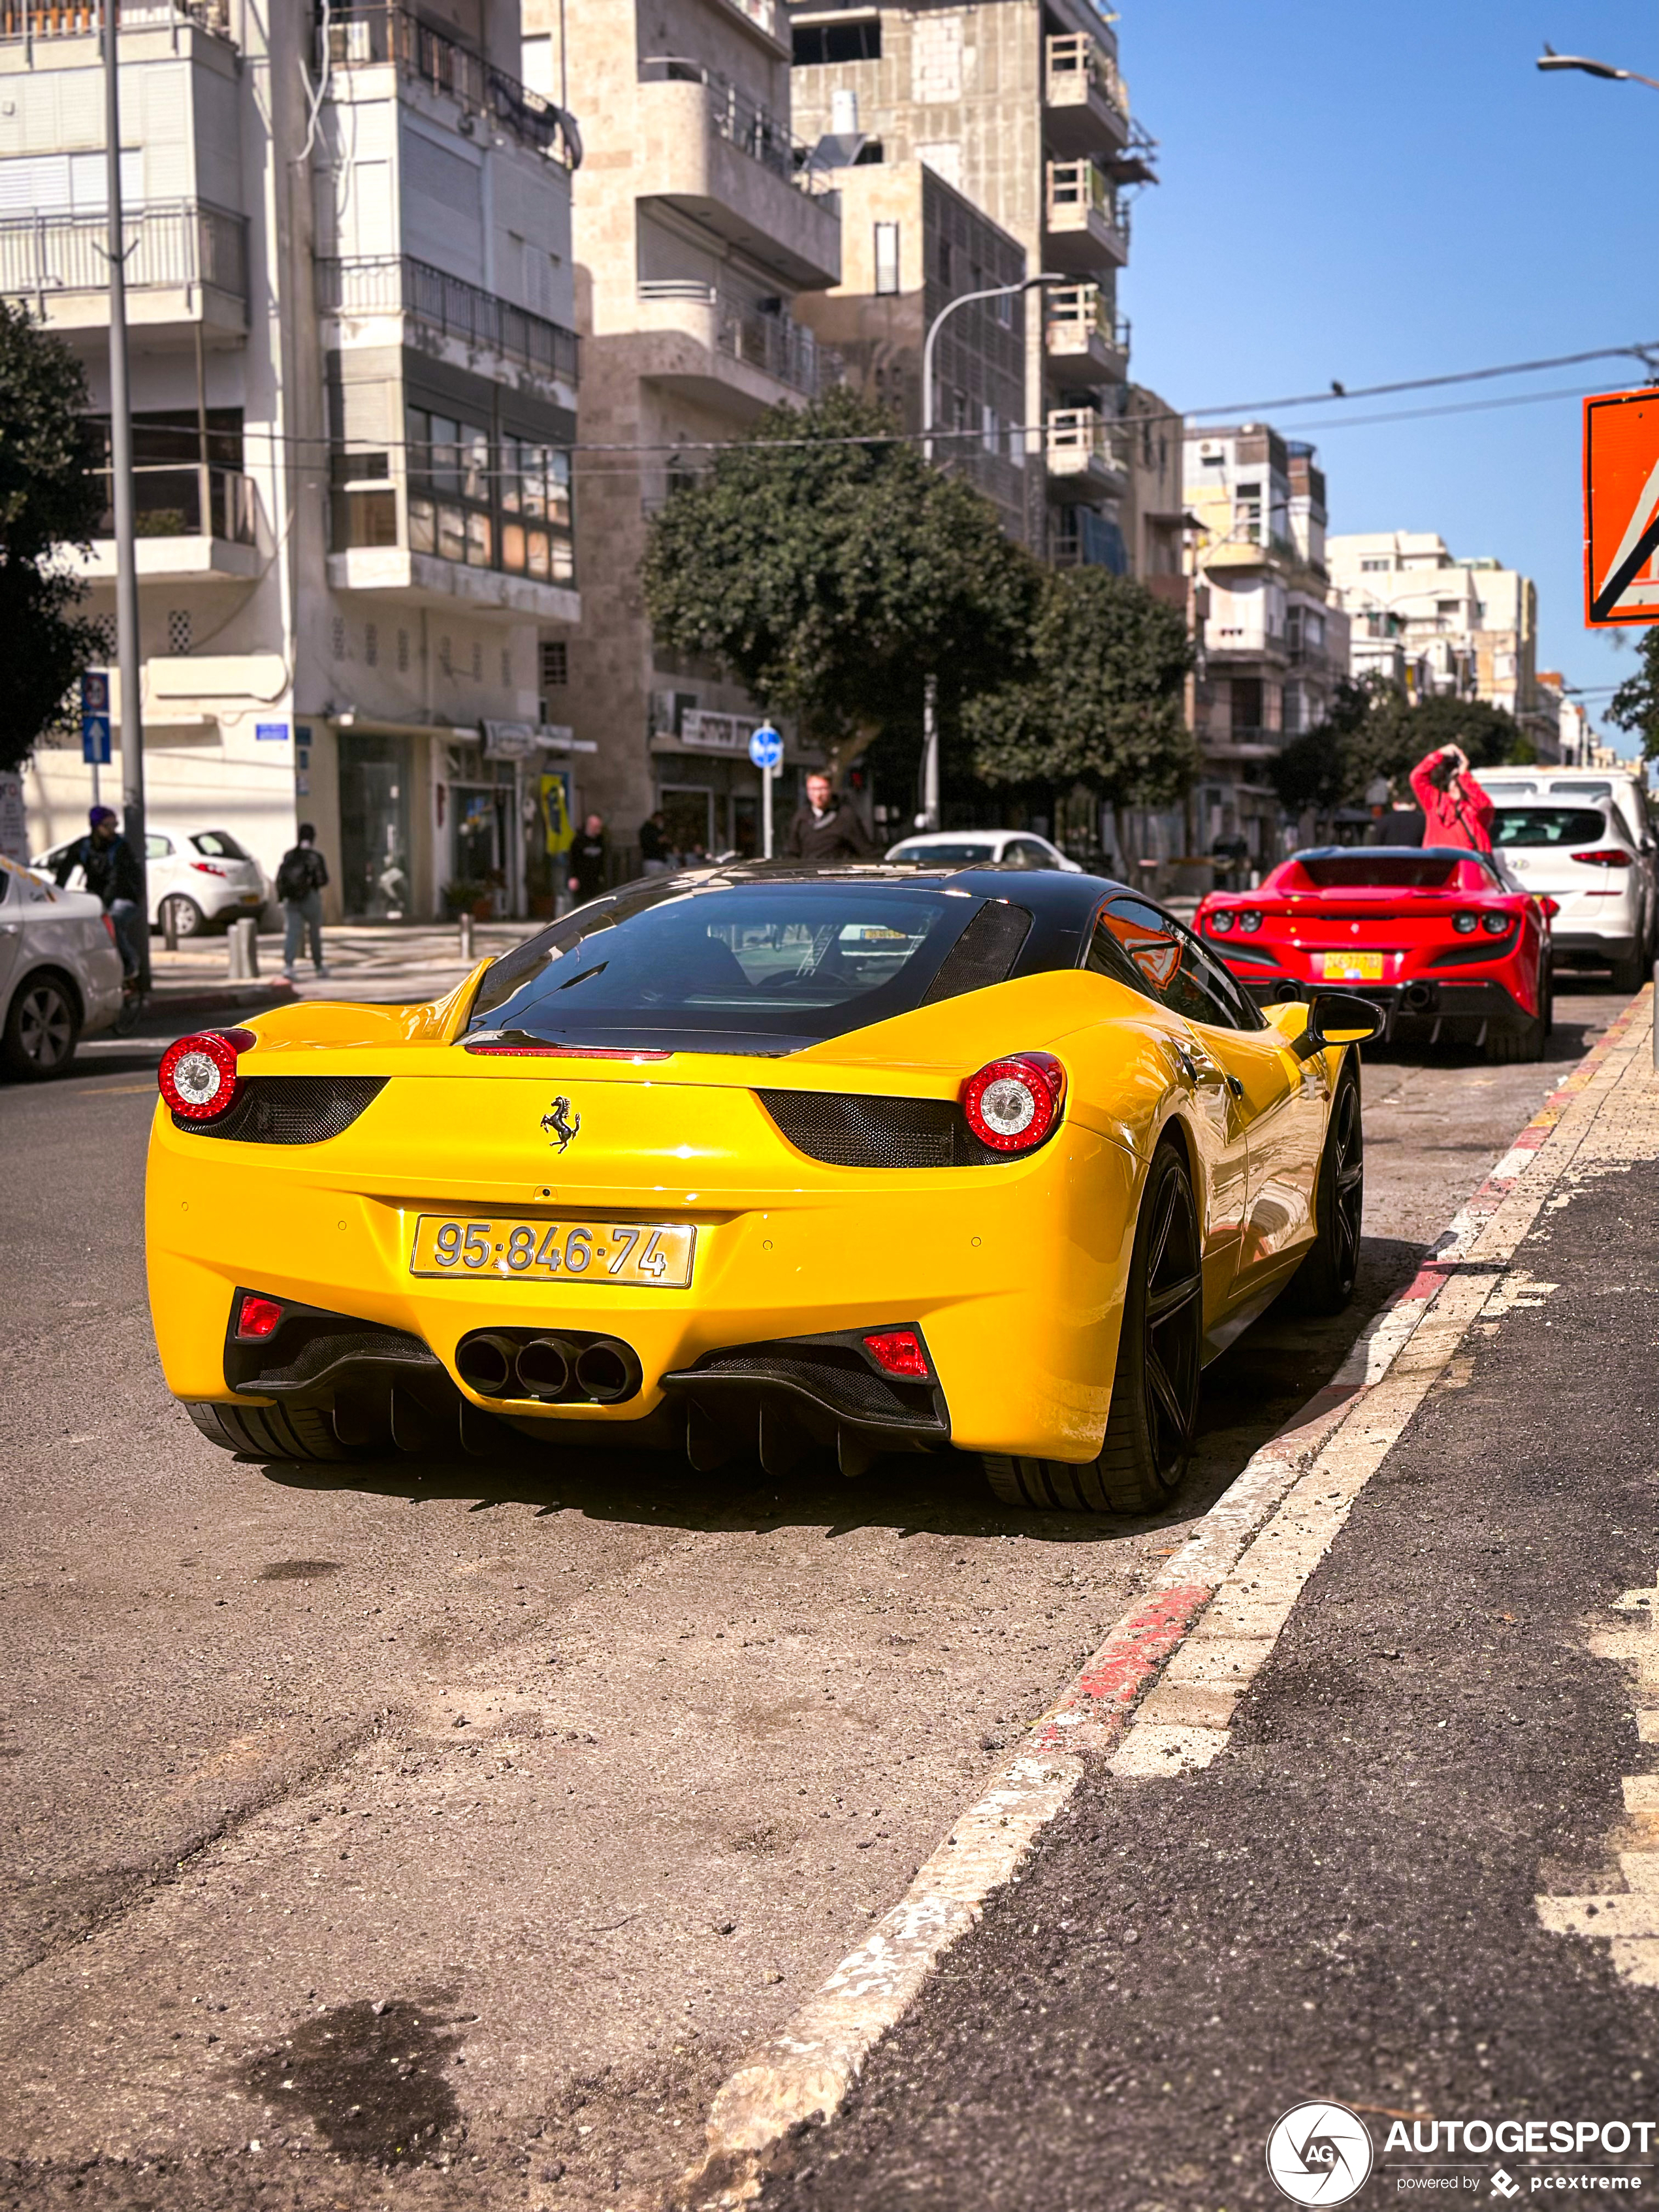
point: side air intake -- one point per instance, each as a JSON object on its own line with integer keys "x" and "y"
{"x": 291, "y": 1109}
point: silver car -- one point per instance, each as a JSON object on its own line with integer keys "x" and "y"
{"x": 60, "y": 974}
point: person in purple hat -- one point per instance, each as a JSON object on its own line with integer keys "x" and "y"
{"x": 112, "y": 874}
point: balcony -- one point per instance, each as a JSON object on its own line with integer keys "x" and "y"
{"x": 726, "y": 351}
{"x": 1086, "y": 102}
{"x": 186, "y": 264}
{"x": 1085, "y": 222}
{"x": 1084, "y": 341}
{"x": 475, "y": 321}
{"x": 1085, "y": 456}
{"x": 194, "y": 521}
{"x": 370, "y": 33}
{"x": 707, "y": 148}
{"x": 29, "y": 20}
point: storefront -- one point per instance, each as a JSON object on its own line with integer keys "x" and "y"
{"x": 376, "y": 773}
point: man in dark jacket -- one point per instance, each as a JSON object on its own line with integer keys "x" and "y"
{"x": 826, "y": 828}
{"x": 588, "y": 856}
{"x": 301, "y": 878}
{"x": 112, "y": 874}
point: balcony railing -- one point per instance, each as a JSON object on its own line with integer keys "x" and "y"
{"x": 397, "y": 284}
{"x": 78, "y": 19}
{"x": 1074, "y": 57}
{"x": 367, "y": 32}
{"x": 1082, "y": 188}
{"x": 742, "y": 122}
{"x": 175, "y": 245}
{"x": 767, "y": 340}
{"x": 1078, "y": 315}
{"x": 1080, "y": 440}
{"x": 188, "y": 500}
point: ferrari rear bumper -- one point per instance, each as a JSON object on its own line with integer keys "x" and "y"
{"x": 1426, "y": 1010}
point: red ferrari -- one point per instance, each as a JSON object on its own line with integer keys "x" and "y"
{"x": 1451, "y": 950}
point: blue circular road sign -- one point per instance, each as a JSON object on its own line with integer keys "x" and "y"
{"x": 766, "y": 747}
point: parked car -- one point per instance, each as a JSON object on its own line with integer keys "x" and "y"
{"x": 1625, "y": 790}
{"x": 60, "y": 974}
{"x": 205, "y": 877}
{"x": 1580, "y": 852}
{"x": 975, "y": 848}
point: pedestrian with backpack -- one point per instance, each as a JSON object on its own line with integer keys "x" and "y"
{"x": 300, "y": 881}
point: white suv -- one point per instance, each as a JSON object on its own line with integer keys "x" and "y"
{"x": 205, "y": 876}
{"x": 1577, "y": 852}
{"x": 1606, "y": 922}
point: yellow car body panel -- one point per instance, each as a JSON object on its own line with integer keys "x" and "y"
{"x": 1015, "y": 1272}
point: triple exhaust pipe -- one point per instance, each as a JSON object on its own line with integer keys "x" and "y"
{"x": 600, "y": 1372}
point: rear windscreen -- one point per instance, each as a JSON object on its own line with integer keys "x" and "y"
{"x": 1427, "y": 872}
{"x": 766, "y": 967}
{"x": 1549, "y": 825}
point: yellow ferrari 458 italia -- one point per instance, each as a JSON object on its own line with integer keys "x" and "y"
{"x": 764, "y": 1160}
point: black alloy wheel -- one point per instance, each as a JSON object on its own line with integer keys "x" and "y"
{"x": 1324, "y": 1283}
{"x": 42, "y": 1028}
{"x": 1153, "y": 1415}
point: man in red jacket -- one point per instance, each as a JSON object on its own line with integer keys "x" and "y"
{"x": 1455, "y": 811}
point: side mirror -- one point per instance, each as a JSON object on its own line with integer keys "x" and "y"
{"x": 1337, "y": 1017}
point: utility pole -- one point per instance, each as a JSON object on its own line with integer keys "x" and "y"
{"x": 930, "y": 807}
{"x": 120, "y": 435}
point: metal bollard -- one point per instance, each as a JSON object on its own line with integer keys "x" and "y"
{"x": 170, "y": 924}
{"x": 242, "y": 939}
{"x": 466, "y": 938}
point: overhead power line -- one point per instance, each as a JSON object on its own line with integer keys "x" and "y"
{"x": 1335, "y": 392}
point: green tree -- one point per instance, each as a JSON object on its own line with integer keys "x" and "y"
{"x": 1635, "y": 704}
{"x": 1101, "y": 704}
{"x": 1317, "y": 769}
{"x": 1373, "y": 729}
{"x": 830, "y": 576}
{"x": 49, "y": 500}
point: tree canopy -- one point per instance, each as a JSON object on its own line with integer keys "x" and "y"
{"x": 1101, "y": 704}
{"x": 1635, "y": 705}
{"x": 831, "y": 577}
{"x": 49, "y": 500}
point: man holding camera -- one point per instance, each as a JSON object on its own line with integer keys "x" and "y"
{"x": 1455, "y": 811}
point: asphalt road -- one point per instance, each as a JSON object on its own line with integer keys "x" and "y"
{"x": 448, "y": 1835}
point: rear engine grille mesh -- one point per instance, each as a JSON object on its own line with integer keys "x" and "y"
{"x": 291, "y": 1109}
{"x": 845, "y": 1131}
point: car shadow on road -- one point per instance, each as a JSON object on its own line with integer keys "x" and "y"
{"x": 1585, "y": 1007}
{"x": 1250, "y": 1393}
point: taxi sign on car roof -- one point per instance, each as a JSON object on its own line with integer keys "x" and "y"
{"x": 1621, "y": 508}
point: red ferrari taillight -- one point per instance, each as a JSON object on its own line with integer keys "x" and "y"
{"x": 1011, "y": 1104}
{"x": 256, "y": 1316}
{"x": 198, "y": 1075}
{"x": 1614, "y": 857}
{"x": 898, "y": 1352}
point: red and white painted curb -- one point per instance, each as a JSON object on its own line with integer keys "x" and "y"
{"x": 1158, "y": 1697}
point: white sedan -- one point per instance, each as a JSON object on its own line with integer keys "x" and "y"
{"x": 978, "y": 848}
{"x": 60, "y": 974}
{"x": 204, "y": 877}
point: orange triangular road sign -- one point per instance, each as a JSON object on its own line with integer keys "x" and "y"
{"x": 1621, "y": 508}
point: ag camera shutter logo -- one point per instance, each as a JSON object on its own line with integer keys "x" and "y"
{"x": 1320, "y": 2154}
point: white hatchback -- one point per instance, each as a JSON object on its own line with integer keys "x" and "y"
{"x": 204, "y": 876}
{"x": 1625, "y": 789}
{"x": 1578, "y": 853}
{"x": 60, "y": 974}
{"x": 980, "y": 848}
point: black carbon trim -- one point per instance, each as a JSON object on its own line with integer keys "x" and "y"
{"x": 290, "y": 1109}
{"x": 835, "y": 1373}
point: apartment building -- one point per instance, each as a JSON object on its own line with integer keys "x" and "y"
{"x": 699, "y": 219}
{"x": 1467, "y": 628}
{"x": 1275, "y": 642}
{"x": 354, "y": 376}
{"x": 1019, "y": 106}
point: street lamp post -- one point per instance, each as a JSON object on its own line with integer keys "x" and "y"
{"x": 120, "y": 435}
{"x": 1549, "y": 59}
{"x": 930, "y": 809}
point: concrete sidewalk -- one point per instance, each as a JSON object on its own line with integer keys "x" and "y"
{"x": 366, "y": 961}
{"x": 1413, "y": 1867}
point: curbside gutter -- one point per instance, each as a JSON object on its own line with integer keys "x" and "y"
{"x": 1158, "y": 1697}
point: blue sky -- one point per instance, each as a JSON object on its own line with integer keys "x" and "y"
{"x": 1368, "y": 193}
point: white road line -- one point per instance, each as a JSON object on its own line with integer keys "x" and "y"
{"x": 1163, "y": 1688}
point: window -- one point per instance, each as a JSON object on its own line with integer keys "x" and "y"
{"x": 887, "y": 257}
{"x": 511, "y": 512}
{"x": 1140, "y": 945}
{"x": 990, "y": 430}
{"x": 816, "y": 44}
{"x": 1375, "y": 567}
{"x": 218, "y": 845}
{"x": 1246, "y": 510}
{"x": 943, "y": 261}
{"x": 556, "y": 663}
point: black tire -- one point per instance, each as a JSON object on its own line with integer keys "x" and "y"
{"x": 268, "y": 1432}
{"x": 1518, "y": 1040}
{"x": 1324, "y": 1283}
{"x": 1546, "y": 998}
{"x": 1154, "y": 1408}
{"x": 189, "y": 920}
{"x": 1629, "y": 975}
{"x": 43, "y": 1027}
